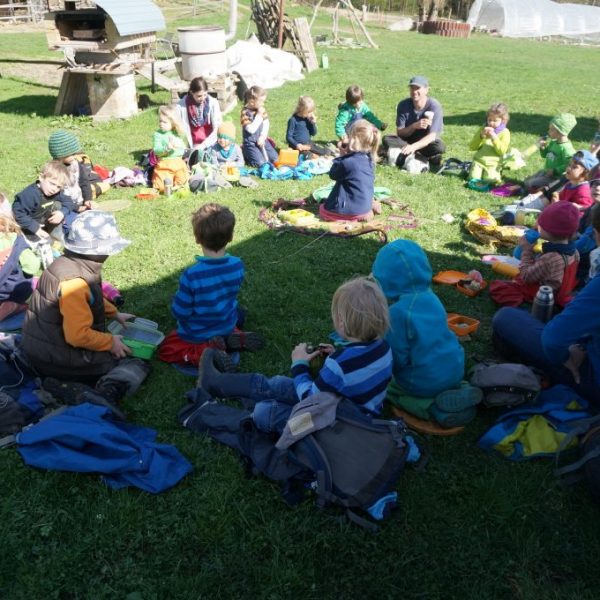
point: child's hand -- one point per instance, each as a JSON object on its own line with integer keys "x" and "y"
{"x": 326, "y": 349}
{"x": 260, "y": 142}
{"x": 577, "y": 354}
{"x": 42, "y": 234}
{"x": 56, "y": 217}
{"x": 488, "y": 132}
{"x": 300, "y": 353}
{"x": 118, "y": 348}
{"x": 542, "y": 142}
{"x": 312, "y": 118}
{"x": 122, "y": 317}
{"x": 524, "y": 244}
{"x": 303, "y": 147}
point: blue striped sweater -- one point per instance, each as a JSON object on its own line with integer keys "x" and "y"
{"x": 206, "y": 302}
{"x": 360, "y": 372}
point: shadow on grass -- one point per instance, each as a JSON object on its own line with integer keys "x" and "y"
{"x": 525, "y": 123}
{"x": 40, "y": 105}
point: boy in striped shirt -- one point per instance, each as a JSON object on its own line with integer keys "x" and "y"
{"x": 205, "y": 305}
{"x": 359, "y": 371}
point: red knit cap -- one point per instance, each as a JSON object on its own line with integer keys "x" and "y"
{"x": 560, "y": 219}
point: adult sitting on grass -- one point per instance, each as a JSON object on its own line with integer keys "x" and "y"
{"x": 64, "y": 335}
{"x": 567, "y": 349}
{"x": 419, "y": 124}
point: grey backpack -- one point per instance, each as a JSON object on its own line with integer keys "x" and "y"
{"x": 505, "y": 384}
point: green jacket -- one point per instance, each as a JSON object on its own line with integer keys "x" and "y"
{"x": 347, "y": 112}
{"x": 557, "y": 156}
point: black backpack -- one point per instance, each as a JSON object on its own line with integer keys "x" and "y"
{"x": 355, "y": 463}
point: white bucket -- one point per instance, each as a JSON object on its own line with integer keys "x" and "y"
{"x": 202, "y": 51}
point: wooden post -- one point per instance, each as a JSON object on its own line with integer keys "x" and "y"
{"x": 354, "y": 15}
{"x": 314, "y": 15}
{"x": 280, "y": 26}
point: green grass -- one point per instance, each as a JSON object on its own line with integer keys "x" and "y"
{"x": 470, "y": 526}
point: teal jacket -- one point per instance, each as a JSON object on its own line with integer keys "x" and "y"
{"x": 348, "y": 113}
{"x": 428, "y": 358}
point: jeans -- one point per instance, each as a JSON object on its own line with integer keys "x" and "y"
{"x": 275, "y": 398}
{"x": 518, "y": 336}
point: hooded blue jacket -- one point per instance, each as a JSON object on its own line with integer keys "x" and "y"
{"x": 428, "y": 358}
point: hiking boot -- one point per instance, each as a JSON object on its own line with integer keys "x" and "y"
{"x": 458, "y": 399}
{"x": 244, "y": 340}
{"x": 533, "y": 201}
{"x": 452, "y": 419}
{"x": 218, "y": 383}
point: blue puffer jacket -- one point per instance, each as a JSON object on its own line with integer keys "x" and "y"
{"x": 428, "y": 358}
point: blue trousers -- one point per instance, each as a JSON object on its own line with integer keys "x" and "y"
{"x": 518, "y": 337}
{"x": 255, "y": 157}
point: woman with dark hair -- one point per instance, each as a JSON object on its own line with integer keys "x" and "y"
{"x": 567, "y": 348}
{"x": 200, "y": 114}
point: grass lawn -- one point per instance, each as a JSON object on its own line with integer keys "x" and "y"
{"x": 470, "y": 526}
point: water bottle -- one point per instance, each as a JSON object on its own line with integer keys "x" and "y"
{"x": 168, "y": 186}
{"x": 532, "y": 236}
{"x": 543, "y": 304}
{"x": 325, "y": 61}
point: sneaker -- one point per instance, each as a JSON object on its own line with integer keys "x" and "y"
{"x": 244, "y": 340}
{"x": 533, "y": 201}
{"x": 392, "y": 156}
{"x": 452, "y": 419}
{"x": 459, "y": 399}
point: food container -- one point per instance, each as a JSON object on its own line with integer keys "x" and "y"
{"x": 462, "y": 325}
{"x": 141, "y": 335}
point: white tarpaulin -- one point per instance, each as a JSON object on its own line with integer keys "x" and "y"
{"x": 536, "y": 18}
{"x": 262, "y": 65}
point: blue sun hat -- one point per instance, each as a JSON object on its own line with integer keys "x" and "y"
{"x": 95, "y": 233}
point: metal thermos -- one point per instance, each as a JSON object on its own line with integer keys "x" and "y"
{"x": 168, "y": 186}
{"x": 543, "y": 304}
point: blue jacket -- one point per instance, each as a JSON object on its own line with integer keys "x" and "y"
{"x": 428, "y": 358}
{"x": 32, "y": 209}
{"x": 579, "y": 322}
{"x": 299, "y": 131}
{"x": 354, "y": 177}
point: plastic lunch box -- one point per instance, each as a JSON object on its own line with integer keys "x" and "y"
{"x": 141, "y": 335}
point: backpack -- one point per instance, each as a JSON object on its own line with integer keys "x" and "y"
{"x": 355, "y": 463}
{"x": 505, "y": 384}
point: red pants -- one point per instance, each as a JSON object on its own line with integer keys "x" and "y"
{"x": 175, "y": 350}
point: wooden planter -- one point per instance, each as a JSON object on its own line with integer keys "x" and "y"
{"x": 447, "y": 28}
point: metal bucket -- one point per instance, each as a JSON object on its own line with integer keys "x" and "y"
{"x": 202, "y": 51}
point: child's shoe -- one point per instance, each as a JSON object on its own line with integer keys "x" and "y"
{"x": 452, "y": 419}
{"x": 244, "y": 340}
{"x": 533, "y": 201}
{"x": 458, "y": 399}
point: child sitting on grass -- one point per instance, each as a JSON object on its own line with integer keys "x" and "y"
{"x": 351, "y": 198}
{"x": 169, "y": 145}
{"x": 555, "y": 267}
{"x": 490, "y": 144}
{"x": 359, "y": 371}
{"x": 64, "y": 335}
{"x": 576, "y": 189}
{"x": 256, "y": 146}
{"x": 556, "y": 153}
{"x": 302, "y": 125}
{"x": 429, "y": 361}
{"x": 226, "y": 152}
{"x": 18, "y": 264}
{"x": 84, "y": 184}
{"x": 354, "y": 109}
{"x": 42, "y": 206}
{"x": 206, "y": 305}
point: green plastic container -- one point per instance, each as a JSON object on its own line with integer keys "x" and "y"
{"x": 141, "y": 335}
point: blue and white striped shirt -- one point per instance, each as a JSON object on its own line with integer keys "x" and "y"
{"x": 206, "y": 302}
{"x": 360, "y": 372}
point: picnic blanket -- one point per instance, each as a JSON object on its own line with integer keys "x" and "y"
{"x": 483, "y": 226}
{"x": 274, "y": 217}
{"x": 304, "y": 170}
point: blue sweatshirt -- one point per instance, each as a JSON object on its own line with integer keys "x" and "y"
{"x": 354, "y": 177}
{"x": 579, "y": 322}
{"x": 32, "y": 209}
{"x": 205, "y": 304}
{"x": 360, "y": 372}
{"x": 299, "y": 131}
{"x": 428, "y": 357}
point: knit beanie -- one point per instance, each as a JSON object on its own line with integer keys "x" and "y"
{"x": 564, "y": 123}
{"x": 560, "y": 219}
{"x": 226, "y": 130}
{"x": 62, "y": 143}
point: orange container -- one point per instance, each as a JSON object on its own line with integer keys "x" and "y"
{"x": 462, "y": 325}
{"x": 287, "y": 158}
{"x": 505, "y": 269}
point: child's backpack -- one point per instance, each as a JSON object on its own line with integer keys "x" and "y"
{"x": 355, "y": 463}
{"x": 505, "y": 384}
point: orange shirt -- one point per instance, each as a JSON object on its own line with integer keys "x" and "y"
{"x": 74, "y": 304}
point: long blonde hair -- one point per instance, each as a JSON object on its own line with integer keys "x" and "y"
{"x": 8, "y": 225}
{"x": 306, "y": 105}
{"x": 170, "y": 111}
{"x": 364, "y": 137}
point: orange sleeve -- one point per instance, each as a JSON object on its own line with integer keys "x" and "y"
{"x": 74, "y": 306}
{"x": 110, "y": 310}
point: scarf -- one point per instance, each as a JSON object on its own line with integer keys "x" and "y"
{"x": 567, "y": 249}
{"x": 500, "y": 128}
{"x": 198, "y": 114}
{"x": 226, "y": 152}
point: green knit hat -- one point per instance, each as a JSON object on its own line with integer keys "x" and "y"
{"x": 62, "y": 143}
{"x": 564, "y": 123}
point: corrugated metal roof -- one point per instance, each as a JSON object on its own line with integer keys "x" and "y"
{"x": 133, "y": 16}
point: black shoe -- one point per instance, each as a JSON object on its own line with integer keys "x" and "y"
{"x": 69, "y": 392}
